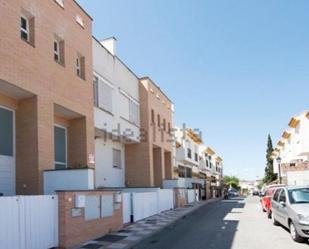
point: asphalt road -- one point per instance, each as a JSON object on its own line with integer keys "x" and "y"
{"x": 227, "y": 224}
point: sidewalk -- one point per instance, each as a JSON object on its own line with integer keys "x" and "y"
{"x": 134, "y": 233}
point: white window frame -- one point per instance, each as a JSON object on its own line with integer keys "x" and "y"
{"x": 27, "y": 27}
{"x": 66, "y": 146}
{"x": 57, "y": 52}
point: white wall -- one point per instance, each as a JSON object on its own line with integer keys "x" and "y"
{"x": 186, "y": 143}
{"x": 123, "y": 88}
{"x": 72, "y": 179}
{"x": 106, "y": 175}
{"x": 124, "y": 83}
{"x": 297, "y": 146}
{"x": 299, "y": 178}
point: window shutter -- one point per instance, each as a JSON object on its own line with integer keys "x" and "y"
{"x": 117, "y": 158}
{"x": 61, "y": 50}
{"x": 105, "y": 96}
{"x": 82, "y": 67}
{"x": 31, "y": 30}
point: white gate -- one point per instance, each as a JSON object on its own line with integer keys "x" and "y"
{"x": 29, "y": 222}
{"x": 191, "y": 195}
{"x": 166, "y": 199}
{"x": 126, "y": 207}
{"x": 144, "y": 205}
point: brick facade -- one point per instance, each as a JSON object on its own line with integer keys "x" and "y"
{"x": 37, "y": 87}
{"x": 76, "y": 230}
{"x": 150, "y": 162}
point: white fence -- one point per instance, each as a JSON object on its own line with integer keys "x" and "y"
{"x": 126, "y": 208}
{"x": 144, "y": 204}
{"x": 166, "y": 199}
{"x": 191, "y": 195}
{"x": 29, "y": 222}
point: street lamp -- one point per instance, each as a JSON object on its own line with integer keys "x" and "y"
{"x": 279, "y": 169}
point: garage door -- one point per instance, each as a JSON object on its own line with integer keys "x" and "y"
{"x": 7, "y": 160}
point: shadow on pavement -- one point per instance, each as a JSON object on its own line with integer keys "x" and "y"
{"x": 212, "y": 226}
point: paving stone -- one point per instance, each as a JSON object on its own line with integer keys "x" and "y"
{"x": 92, "y": 246}
{"x": 111, "y": 238}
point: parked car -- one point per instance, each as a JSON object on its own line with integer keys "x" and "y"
{"x": 266, "y": 198}
{"x": 255, "y": 193}
{"x": 290, "y": 208}
{"x": 233, "y": 194}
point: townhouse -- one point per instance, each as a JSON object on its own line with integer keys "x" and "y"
{"x": 196, "y": 165}
{"x": 212, "y": 164}
{"x": 116, "y": 113}
{"x": 291, "y": 154}
{"x": 149, "y": 162}
{"x": 46, "y": 99}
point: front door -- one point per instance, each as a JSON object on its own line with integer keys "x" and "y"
{"x": 7, "y": 152}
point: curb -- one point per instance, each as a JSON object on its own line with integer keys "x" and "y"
{"x": 200, "y": 205}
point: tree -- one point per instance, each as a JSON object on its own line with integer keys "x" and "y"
{"x": 270, "y": 176}
{"x": 232, "y": 181}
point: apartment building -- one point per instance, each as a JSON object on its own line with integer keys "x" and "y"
{"x": 116, "y": 113}
{"x": 46, "y": 99}
{"x": 149, "y": 162}
{"x": 291, "y": 154}
{"x": 187, "y": 173}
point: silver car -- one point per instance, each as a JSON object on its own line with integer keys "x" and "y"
{"x": 290, "y": 208}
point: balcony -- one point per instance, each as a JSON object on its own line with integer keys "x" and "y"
{"x": 68, "y": 179}
{"x": 182, "y": 156}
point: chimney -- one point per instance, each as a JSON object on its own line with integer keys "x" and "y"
{"x": 110, "y": 44}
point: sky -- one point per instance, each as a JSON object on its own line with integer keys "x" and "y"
{"x": 238, "y": 70}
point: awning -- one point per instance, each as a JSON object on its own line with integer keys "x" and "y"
{"x": 294, "y": 122}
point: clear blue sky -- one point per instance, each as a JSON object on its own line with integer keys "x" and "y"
{"x": 236, "y": 69}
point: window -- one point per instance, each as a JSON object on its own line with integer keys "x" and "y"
{"x": 59, "y": 51}
{"x": 6, "y": 132}
{"x": 60, "y": 144}
{"x": 56, "y": 51}
{"x": 152, "y": 116}
{"x": 276, "y": 195}
{"x": 105, "y": 95}
{"x": 27, "y": 28}
{"x": 188, "y": 172}
{"x": 196, "y": 157}
{"x": 169, "y": 127}
{"x": 181, "y": 171}
{"x": 133, "y": 112}
{"x": 95, "y": 91}
{"x": 164, "y": 124}
{"x": 130, "y": 110}
{"x": 207, "y": 163}
{"x": 24, "y": 28}
{"x": 299, "y": 196}
{"x": 282, "y": 197}
{"x": 159, "y": 120}
{"x": 80, "y": 66}
{"x": 117, "y": 158}
{"x": 189, "y": 153}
